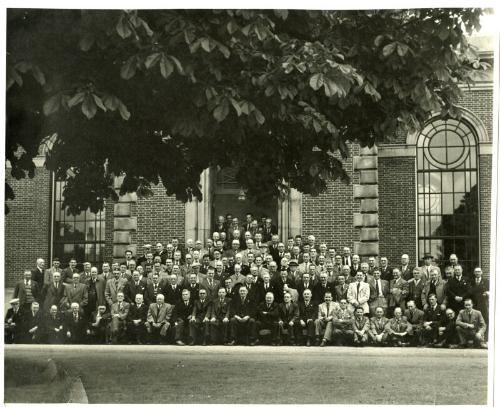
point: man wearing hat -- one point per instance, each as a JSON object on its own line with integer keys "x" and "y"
{"x": 294, "y": 272}
{"x": 13, "y": 321}
{"x": 427, "y": 267}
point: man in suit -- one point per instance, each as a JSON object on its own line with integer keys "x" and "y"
{"x": 471, "y": 325}
{"x": 288, "y": 313}
{"x": 181, "y": 315}
{"x": 154, "y": 288}
{"x": 433, "y": 316}
{"x": 457, "y": 289}
{"x": 199, "y": 320}
{"x": 415, "y": 317}
{"x": 428, "y": 266}
{"x": 415, "y": 288}
{"x": 113, "y": 287}
{"x": 385, "y": 270}
{"x": 75, "y": 325}
{"x": 379, "y": 291}
{"x": 56, "y": 267}
{"x": 75, "y": 292}
{"x": 479, "y": 292}
{"x": 32, "y": 325}
{"x": 119, "y": 313}
{"x": 377, "y": 332}
{"x": 243, "y": 318}
{"x": 436, "y": 286}
{"x": 360, "y": 326}
{"x": 268, "y": 229}
{"x": 13, "y": 321}
{"x": 398, "y": 329}
{"x": 342, "y": 324}
{"x": 447, "y": 331}
{"x": 96, "y": 286}
{"x": 323, "y": 323}
{"x": 98, "y": 327}
{"x": 136, "y": 321}
{"x": 304, "y": 284}
{"x": 356, "y": 265}
{"x": 341, "y": 288}
{"x": 67, "y": 276}
{"x": 219, "y": 318}
{"x": 27, "y": 291}
{"x": 85, "y": 274}
{"x": 53, "y": 292}
{"x": 267, "y": 315}
{"x": 398, "y": 288}
{"x": 172, "y": 290}
{"x": 406, "y": 270}
{"x": 281, "y": 284}
{"x": 52, "y": 326}
{"x": 38, "y": 272}
{"x": 211, "y": 285}
{"x": 308, "y": 312}
{"x": 346, "y": 257}
{"x": 193, "y": 286}
{"x": 320, "y": 289}
{"x": 134, "y": 287}
{"x": 159, "y": 317}
{"x": 358, "y": 293}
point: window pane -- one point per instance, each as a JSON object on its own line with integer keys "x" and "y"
{"x": 436, "y": 248}
{"x": 447, "y": 225}
{"x": 454, "y": 155}
{"x": 438, "y": 140}
{"x": 421, "y": 226}
{"x": 435, "y": 182}
{"x": 459, "y": 182}
{"x": 447, "y": 204}
{"x": 439, "y": 155}
{"x": 434, "y": 203}
{"x": 447, "y": 181}
{"x": 435, "y": 226}
{"x": 420, "y": 182}
{"x": 454, "y": 140}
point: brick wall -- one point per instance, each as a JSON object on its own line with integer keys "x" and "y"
{"x": 27, "y": 226}
{"x": 159, "y": 219}
{"x": 397, "y": 205}
{"x": 485, "y": 211}
{"x": 329, "y": 216}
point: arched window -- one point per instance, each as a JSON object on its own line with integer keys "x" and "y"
{"x": 448, "y": 210}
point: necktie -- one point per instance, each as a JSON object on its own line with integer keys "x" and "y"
{"x": 327, "y": 309}
{"x": 478, "y": 280}
{"x": 357, "y": 291}
{"x": 74, "y": 286}
{"x": 57, "y": 286}
{"x": 265, "y": 286}
{"x": 411, "y": 315}
{"x": 156, "y": 287}
{"x": 186, "y": 302}
{"x": 469, "y": 315}
{"x": 379, "y": 291}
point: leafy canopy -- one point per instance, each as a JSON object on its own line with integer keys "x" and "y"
{"x": 161, "y": 95}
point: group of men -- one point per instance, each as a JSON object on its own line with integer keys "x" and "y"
{"x": 245, "y": 286}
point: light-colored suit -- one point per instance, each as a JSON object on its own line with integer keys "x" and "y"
{"x": 159, "y": 316}
{"x": 113, "y": 287}
{"x": 77, "y": 294}
{"x": 399, "y": 291}
{"x": 212, "y": 290}
{"x": 354, "y": 298}
{"x": 475, "y": 318}
{"x": 119, "y": 313}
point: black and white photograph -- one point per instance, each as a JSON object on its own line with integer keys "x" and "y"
{"x": 262, "y": 204}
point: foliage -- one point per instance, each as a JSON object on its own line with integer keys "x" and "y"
{"x": 161, "y": 95}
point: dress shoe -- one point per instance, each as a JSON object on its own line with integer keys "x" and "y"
{"x": 231, "y": 343}
{"x": 254, "y": 342}
{"x": 180, "y": 343}
{"x": 483, "y": 346}
{"x": 308, "y": 343}
{"x": 323, "y": 343}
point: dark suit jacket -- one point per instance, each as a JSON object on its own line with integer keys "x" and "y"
{"x": 51, "y": 295}
{"x": 78, "y": 294}
{"x": 457, "y": 288}
{"x": 319, "y": 292}
{"x": 20, "y": 292}
{"x": 417, "y": 319}
{"x": 220, "y": 310}
{"x": 435, "y": 316}
{"x": 476, "y": 291}
{"x": 415, "y": 292}
{"x": 77, "y": 328}
{"x": 386, "y": 274}
{"x": 183, "y": 311}
{"x": 267, "y": 315}
{"x": 37, "y": 275}
{"x": 373, "y": 289}
{"x": 212, "y": 292}
{"x": 242, "y": 308}
{"x": 290, "y": 314}
{"x": 341, "y": 292}
{"x": 300, "y": 289}
{"x": 279, "y": 286}
{"x": 200, "y": 310}
{"x": 193, "y": 290}
{"x": 261, "y": 291}
{"x": 130, "y": 290}
{"x": 172, "y": 296}
{"x": 149, "y": 295}
{"x": 134, "y": 312}
{"x": 100, "y": 287}
{"x": 67, "y": 275}
{"x": 309, "y": 311}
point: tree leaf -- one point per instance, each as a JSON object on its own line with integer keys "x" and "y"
{"x": 166, "y": 67}
{"x": 316, "y": 81}
{"x": 236, "y": 106}
{"x": 98, "y": 102}
{"x": 283, "y": 14}
{"x": 52, "y": 104}
{"x": 149, "y": 31}
{"x": 38, "y": 75}
{"x": 378, "y": 40}
{"x": 89, "y": 108}
{"x": 111, "y": 102}
{"x": 152, "y": 59}
{"x": 128, "y": 69}
{"x": 123, "y": 111}
{"x": 122, "y": 28}
{"x": 259, "y": 116}
{"x": 178, "y": 65}
{"x": 231, "y": 27}
{"x": 86, "y": 42}
{"x": 221, "y": 111}
{"x": 331, "y": 87}
{"x": 402, "y": 49}
{"x": 207, "y": 45}
{"x": 389, "y": 49}
{"x": 76, "y": 99}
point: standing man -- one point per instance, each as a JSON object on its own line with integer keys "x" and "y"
{"x": 27, "y": 291}
{"x": 56, "y": 267}
{"x": 96, "y": 287}
{"x": 52, "y": 293}
{"x": 358, "y": 293}
{"x": 457, "y": 290}
{"x": 379, "y": 291}
{"x": 480, "y": 293}
{"x": 75, "y": 292}
{"x": 38, "y": 272}
{"x": 405, "y": 270}
{"x": 398, "y": 288}
{"x": 415, "y": 288}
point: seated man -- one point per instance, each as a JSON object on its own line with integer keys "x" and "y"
{"x": 199, "y": 321}
{"x": 53, "y": 327}
{"x": 136, "y": 321}
{"x": 288, "y": 318}
{"x": 324, "y": 321}
{"x": 447, "y": 331}
{"x": 13, "y": 321}
{"x": 158, "y": 319}
{"x": 398, "y": 329}
{"x": 267, "y": 317}
{"x": 377, "y": 333}
{"x": 32, "y": 324}
{"x": 219, "y": 318}
{"x": 119, "y": 313}
{"x": 342, "y": 324}
{"x": 433, "y": 315}
{"x": 75, "y": 325}
{"x": 471, "y": 326}
{"x": 308, "y": 312}
{"x": 360, "y": 326}
{"x": 415, "y": 317}
{"x": 181, "y": 315}
{"x": 243, "y": 318}
{"x": 98, "y": 328}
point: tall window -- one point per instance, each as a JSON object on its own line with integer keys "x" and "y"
{"x": 80, "y": 237}
{"x": 448, "y": 220}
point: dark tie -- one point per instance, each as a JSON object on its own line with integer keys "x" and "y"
{"x": 357, "y": 291}
{"x": 327, "y": 308}
{"x": 57, "y": 286}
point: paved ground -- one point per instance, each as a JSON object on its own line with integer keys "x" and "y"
{"x": 169, "y": 374}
